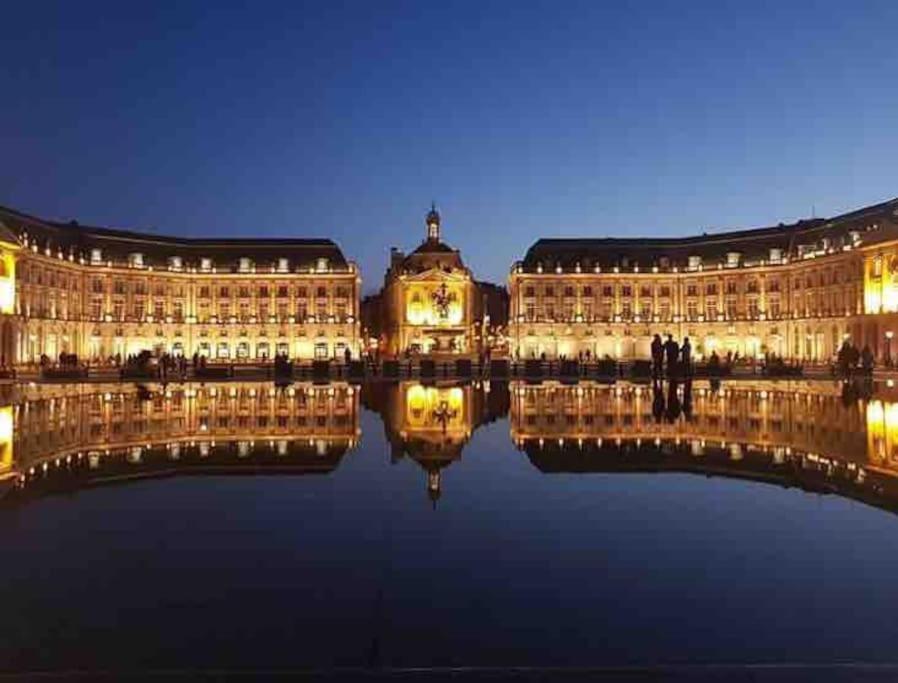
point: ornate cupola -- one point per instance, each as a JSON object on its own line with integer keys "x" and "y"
{"x": 433, "y": 224}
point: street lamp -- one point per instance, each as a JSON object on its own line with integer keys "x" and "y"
{"x": 889, "y": 335}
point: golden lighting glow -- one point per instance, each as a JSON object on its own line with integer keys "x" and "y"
{"x": 7, "y": 283}
{"x": 434, "y": 406}
{"x": 423, "y": 309}
{"x": 882, "y": 431}
{"x": 881, "y": 285}
{"x": 6, "y": 440}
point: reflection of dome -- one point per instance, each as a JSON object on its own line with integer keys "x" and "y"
{"x": 434, "y": 491}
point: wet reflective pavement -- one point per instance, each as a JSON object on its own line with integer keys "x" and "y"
{"x": 239, "y": 526}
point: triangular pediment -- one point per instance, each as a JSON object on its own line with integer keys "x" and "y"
{"x": 438, "y": 275}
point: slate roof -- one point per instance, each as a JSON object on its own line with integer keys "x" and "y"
{"x": 117, "y": 245}
{"x": 875, "y": 223}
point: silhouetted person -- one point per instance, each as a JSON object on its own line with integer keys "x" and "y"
{"x": 854, "y": 357}
{"x": 714, "y": 364}
{"x": 672, "y": 350}
{"x": 843, "y": 358}
{"x": 867, "y": 360}
{"x": 657, "y": 356}
{"x": 686, "y": 355}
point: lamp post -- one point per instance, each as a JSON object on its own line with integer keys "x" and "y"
{"x": 889, "y": 335}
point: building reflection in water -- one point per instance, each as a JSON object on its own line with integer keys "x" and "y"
{"x": 60, "y": 437}
{"x": 820, "y": 436}
{"x": 432, "y": 423}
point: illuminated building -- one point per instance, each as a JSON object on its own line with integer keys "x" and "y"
{"x": 99, "y": 293}
{"x": 796, "y": 291}
{"x": 430, "y": 302}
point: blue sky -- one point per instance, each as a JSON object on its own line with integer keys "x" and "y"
{"x": 520, "y": 119}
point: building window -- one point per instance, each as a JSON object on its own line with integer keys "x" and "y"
{"x": 731, "y": 309}
{"x": 321, "y": 351}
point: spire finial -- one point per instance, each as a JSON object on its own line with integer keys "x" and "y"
{"x": 433, "y": 223}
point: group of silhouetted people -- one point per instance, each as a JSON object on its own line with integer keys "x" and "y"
{"x": 849, "y": 359}
{"x": 670, "y": 358}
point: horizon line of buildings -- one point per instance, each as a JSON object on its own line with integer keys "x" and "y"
{"x": 797, "y": 291}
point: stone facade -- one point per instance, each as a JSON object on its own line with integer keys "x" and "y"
{"x": 796, "y": 291}
{"x": 430, "y": 303}
{"x": 102, "y": 293}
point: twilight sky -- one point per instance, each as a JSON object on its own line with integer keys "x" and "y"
{"x": 520, "y": 119}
